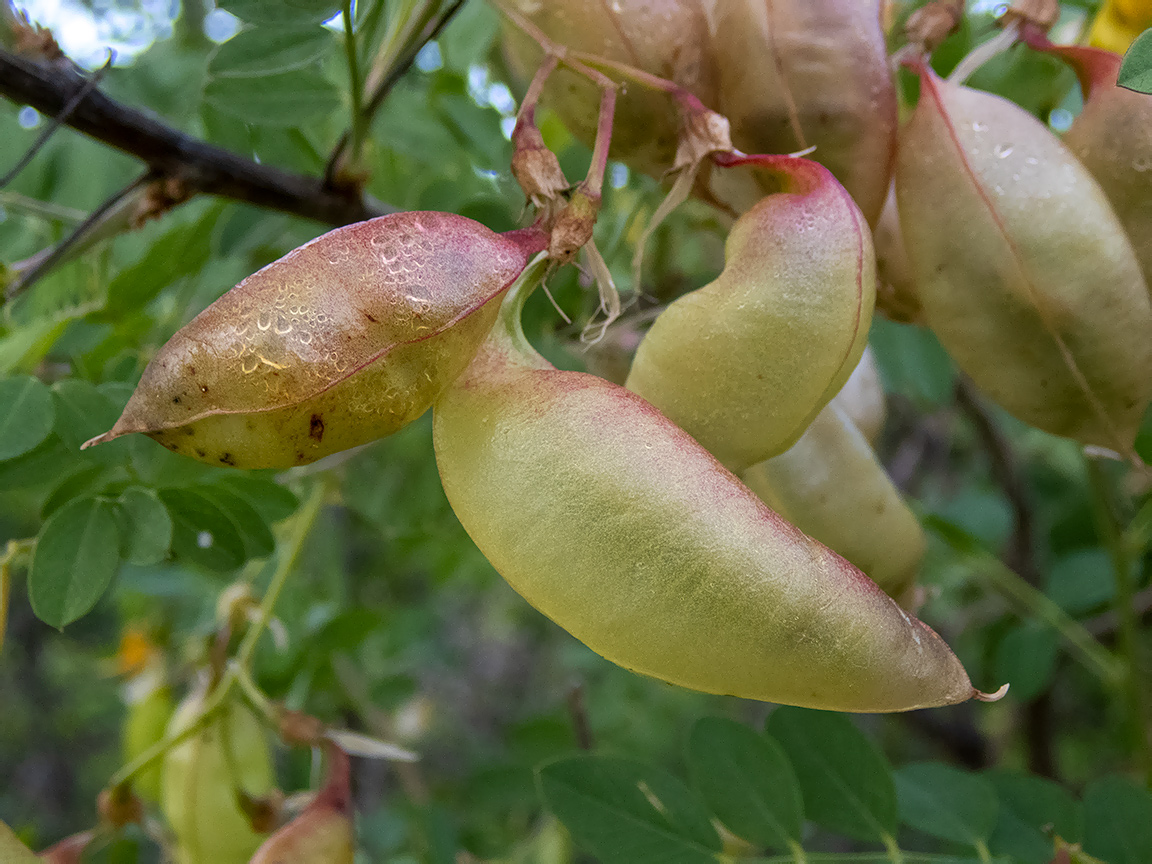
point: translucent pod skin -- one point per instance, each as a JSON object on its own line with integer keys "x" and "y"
{"x": 862, "y": 398}
{"x": 799, "y": 73}
{"x": 617, "y": 525}
{"x": 670, "y": 39}
{"x": 1026, "y": 276}
{"x": 202, "y": 778}
{"x": 896, "y": 296}
{"x": 340, "y": 342}
{"x": 744, "y": 363}
{"x": 1112, "y": 137}
{"x": 831, "y": 486}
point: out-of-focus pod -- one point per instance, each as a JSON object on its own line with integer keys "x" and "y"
{"x": 862, "y": 397}
{"x": 896, "y": 297}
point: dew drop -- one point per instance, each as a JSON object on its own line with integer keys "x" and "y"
{"x": 979, "y": 127}
{"x": 1003, "y": 151}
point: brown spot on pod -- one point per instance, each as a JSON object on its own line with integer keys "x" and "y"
{"x": 1026, "y": 275}
{"x": 364, "y": 325}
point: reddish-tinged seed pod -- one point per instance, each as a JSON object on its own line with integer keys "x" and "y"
{"x": 615, "y": 523}
{"x": 668, "y": 39}
{"x": 1026, "y": 276}
{"x": 744, "y": 363}
{"x": 70, "y": 850}
{"x": 830, "y": 485}
{"x": 340, "y": 342}
{"x": 1112, "y": 137}
{"x": 803, "y": 73}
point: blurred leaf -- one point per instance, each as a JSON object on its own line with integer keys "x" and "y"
{"x": 1117, "y": 820}
{"x": 747, "y": 781}
{"x": 629, "y": 813}
{"x": 1081, "y": 582}
{"x": 48, "y": 462}
{"x": 469, "y": 38}
{"x": 89, "y": 479}
{"x": 75, "y": 559}
{"x": 200, "y": 532}
{"x": 271, "y": 500}
{"x": 286, "y": 99}
{"x": 1026, "y": 657}
{"x": 1136, "y": 70}
{"x": 846, "y": 782}
{"x": 1028, "y": 806}
{"x": 271, "y": 49}
{"x": 12, "y": 851}
{"x": 82, "y": 412}
{"x": 26, "y": 415}
{"x": 253, "y": 530}
{"x": 912, "y": 362}
{"x": 280, "y": 11}
{"x": 946, "y": 802}
{"x": 148, "y": 533}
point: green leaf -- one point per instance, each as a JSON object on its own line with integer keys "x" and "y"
{"x": 946, "y": 802}
{"x": 40, "y": 466}
{"x": 912, "y": 362}
{"x": 12, "y": 851}
{"x": 82, "y": 412}
{"x": 75, "y": 559}
{"x": 1136, "y": 70}
{"x": 253, "y": 530}
{"x": 88, "y": 480}
{"x": 26, "y": 415}
{"x": 1117, "y": 820}
{"x": 280, "y": 11}
{"x": 1028, "y": 806}
{"x": 286, "y": 99}
{"x": 148, "y": 533}
{"x": 747, "y": 782}
{"x": 269, "y": 50}
{"x": 201, "y": 532}
{"x": 629, "y": 813}
{"x": 271, "y": 500}
{"x": 845, "y": 780}
{"x": 1081, "y": 581}
{"x": 1026, "y": 656}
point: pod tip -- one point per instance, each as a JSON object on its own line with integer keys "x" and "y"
{"x": 100, "y": 439}
{"x": 991, "y": 697}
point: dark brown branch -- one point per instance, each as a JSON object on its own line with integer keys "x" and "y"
{"x": 202, "y": 167}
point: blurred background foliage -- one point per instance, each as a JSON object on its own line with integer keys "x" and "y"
{"x": 392, "y": 622}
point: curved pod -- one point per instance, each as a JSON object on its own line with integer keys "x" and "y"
{"x": 615, "y": 523}
{"x": 340, "y": 342}
{"x": 804, "y": 73}
{"x": 862, "y": 398}
{"x": 1025, "y": 275}
{"x": 830, "y": 485}
{"x": 744, "y": 363}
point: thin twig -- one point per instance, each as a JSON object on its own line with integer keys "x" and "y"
{"x": 355, "y": 87}
{"x": 579, "y": 714}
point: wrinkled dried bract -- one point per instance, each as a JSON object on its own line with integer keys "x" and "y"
{"x": 615, "y": 523}
{"x": 830, "y": 485}
{"x": 1023, "y": 270}
{"x": 669, "y": 39}
{"x": 798, "y": 73}
{"x": 340, "y": 342}
{"x": 862, "y": 397}
{"x": 744, "y": 363}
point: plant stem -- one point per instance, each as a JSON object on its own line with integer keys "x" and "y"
{"x": 355, "y": 84}
{"x": 1120, "y": 554}
{"x": 799, "y": 856}
{"x": 895, "y": 854}
{"x": 982, "y": 851}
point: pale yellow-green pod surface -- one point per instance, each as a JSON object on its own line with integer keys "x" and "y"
{"x": 1022, "y": 268}
{"x": 617, "y": 525}
{"x": 862, "y": 397}
{"x": 203, "y": 776}
{"x": 830, "y": 485}
{"x": 744, "y": 363}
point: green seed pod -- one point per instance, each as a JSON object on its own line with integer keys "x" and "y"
{"x": 744, "y": 363}
{"x": 340, "y": 342}
{"x": 1026, "y": 276}
{"x": 799, "y": 73}
{"x": 150, "y": 707}
{"x": 831, "y": 486}
{"x": 615, "y": 523}
{"x": 862, "y": 398}
{"x": 203, "y": 777}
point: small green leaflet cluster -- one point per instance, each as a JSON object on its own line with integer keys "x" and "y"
{"x": 1136, "y": 70}
{"x": 818, "y": 767}
{"x": 131, "y": 502}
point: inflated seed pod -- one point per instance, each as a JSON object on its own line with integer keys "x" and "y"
{"x": 744, "y": 363}
{"x": 830, "y": 485}
{"x": 340, "y": 342}
{"x": 862, "y": 397}
{"x": 1112, "y": 137}
{"x": 670, "y": 39}
{"x": 802, "y": 73}
{"x": 896, "y": 297}
{"x": 617, "y": 525}
{"x": 203, "y": 777}
{"x": 1026, "y": 275}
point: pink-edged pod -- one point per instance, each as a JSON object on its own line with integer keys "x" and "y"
{"x": 896, "y": 295}
{"x": 340, "y": 342}
{"x": 862, "y": 397}
{"x": 1112, "y": 137}
{"x": 744, "y": 363}
{"x": 616, "y": 524}
{"x": 669, "y": 39}
{"x": 1023, "y": 270}
{"x": 801, "y": 73}
{"x": 830, "y": 485}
